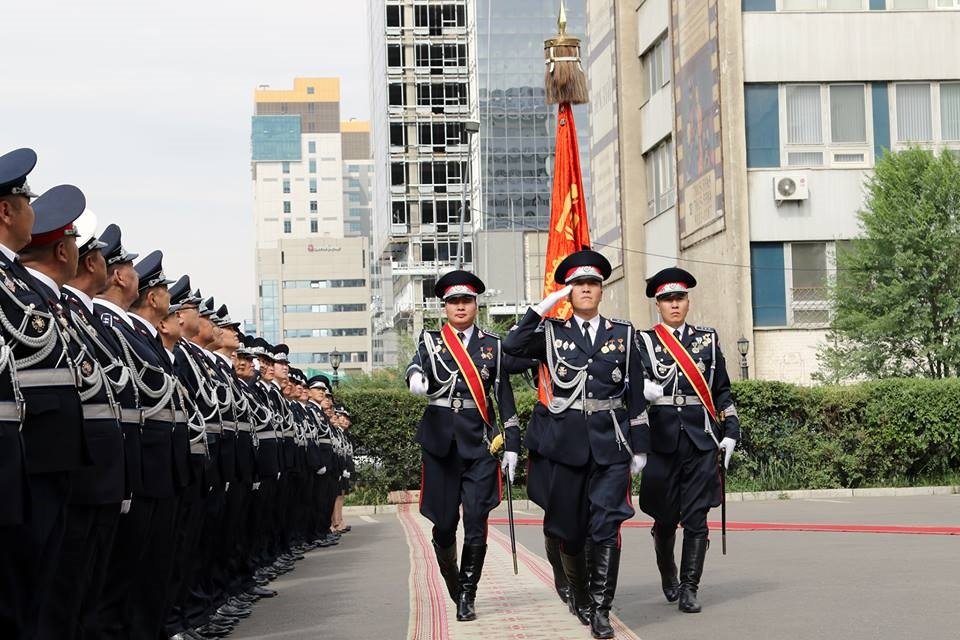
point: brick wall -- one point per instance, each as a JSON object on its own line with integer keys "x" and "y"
{"x": 788, "y": 355}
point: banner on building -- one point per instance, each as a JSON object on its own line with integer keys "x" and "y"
{"x": 696, "y": 87}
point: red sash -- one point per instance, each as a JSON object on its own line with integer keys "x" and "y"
{"x": 468, "y": 368}
{"x": 682, "y": 357}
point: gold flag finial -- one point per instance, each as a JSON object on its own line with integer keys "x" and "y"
{"x": 562, "y": 20}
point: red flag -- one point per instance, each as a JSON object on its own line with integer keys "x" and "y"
{"x": 569, "y": 231}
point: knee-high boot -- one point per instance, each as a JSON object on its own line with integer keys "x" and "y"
{"x": 471, "y": 566}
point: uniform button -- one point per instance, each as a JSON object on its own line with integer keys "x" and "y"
{"x": 590, "y": 394}
{"x": 680, "y": 374}
{"x": 589, "y": 377}
{"x": 589, "y": 360}
{"x": 589, "y": 413}
{"x": 678, "y": 409}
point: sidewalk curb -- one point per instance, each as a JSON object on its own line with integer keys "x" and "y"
{"x": 740, "y": 496}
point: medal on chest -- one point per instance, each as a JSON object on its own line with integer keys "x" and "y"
{"x": 616, "y": 376}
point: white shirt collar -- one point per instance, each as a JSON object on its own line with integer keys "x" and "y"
{"x": 117, "y": 310}
{"x": 45, "y": 279}
{"x": 152, "y": 329}
{"x": 8, "y": 252}
{"x": 84, "y": 298}
{"x": 173, "y": 358}
{"x": 224, "y": 358}
{"x": 594, "y": 324}
{"x": 467, "y": 333}
{"x": 682, "y": 328}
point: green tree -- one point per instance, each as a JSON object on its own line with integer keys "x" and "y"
{"x": 897, "y": 291}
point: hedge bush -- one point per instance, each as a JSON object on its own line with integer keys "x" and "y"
{"x": 871, "y": 434}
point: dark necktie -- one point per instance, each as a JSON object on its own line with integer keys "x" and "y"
{"x": 463, "y": 338}
{"x": 677, "y": 334}
{"x": 586, "y": 332}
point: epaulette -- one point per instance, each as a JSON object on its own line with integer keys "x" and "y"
{"x": 619, "y": 321}
{"x": 705, "y": 329}
{"x": 557, "y": 320}
{"x": 487, "y": 332}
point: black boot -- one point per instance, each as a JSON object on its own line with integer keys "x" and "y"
{"x": 447, "y": 561}
{"x": 552, "y": 546}
{"x": 664, "y": 544}
{"x": 605, "y": 568}
{"x": 575, "y": 568}
{"x": 471, "y": 565}
{"x": 691, "y": 568}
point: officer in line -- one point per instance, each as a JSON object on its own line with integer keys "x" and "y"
{"x": 457, "y": 369}
{"x": 594, "y": 433}
{"x": 692, "y": 417}
{"x": 318, "y": 388}
{"x": 96, "y": 491}
{"x": 40, "y": 414}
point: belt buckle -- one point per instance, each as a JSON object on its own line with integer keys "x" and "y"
{"x": 457, "y": 404}
{"x": 679, "y": 400}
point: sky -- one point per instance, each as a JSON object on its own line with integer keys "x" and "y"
{"x": 146, "y": 107}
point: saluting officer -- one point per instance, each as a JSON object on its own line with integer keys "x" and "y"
{"x": 594, "y": 430}
{"x": 40, "y": 416}
{"x": 691, "y": 417}
{"x": 457, "y": 368}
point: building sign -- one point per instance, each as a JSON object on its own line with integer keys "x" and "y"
{"x": 322, "y": 247}
{"x": 696, "y": 87}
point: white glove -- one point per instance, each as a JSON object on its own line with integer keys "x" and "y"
{"x": 638, "y": 463}
{"x": 652, "y": 391}
{"x": 509, "y": 464}
{"x": 728, "y": 445}
{"x": 125, "y": 506}
{"x": 321, "y": 471}
{"x": 346, "y": 474}
{"x": 551, "y": 300}
{"x": 418, "y": 384}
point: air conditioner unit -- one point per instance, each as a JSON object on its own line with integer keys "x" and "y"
{"x": 790, "y": 186}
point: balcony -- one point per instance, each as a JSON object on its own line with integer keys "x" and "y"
{"x": 422, "y": 268}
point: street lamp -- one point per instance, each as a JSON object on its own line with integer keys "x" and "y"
{"x": 470, "y": 127}
{"x": 743, "y": 346}
{"x": 335, "y": 359}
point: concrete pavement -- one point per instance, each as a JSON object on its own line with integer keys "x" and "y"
{"x": 381, "y": 581}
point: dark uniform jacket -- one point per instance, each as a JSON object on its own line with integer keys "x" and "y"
{"x": 668, "y": 417}
{"x": 240, "y": 411}
{"x": 157, "y": 462}
{"x": 442, "y": 425}
{"x": 109, "y": 352}
{"x": 574, "y": 435}
{"x": 103, "y": 481}
{"x": 52, "y": 435}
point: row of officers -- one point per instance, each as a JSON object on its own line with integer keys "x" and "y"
{"x": 158, "y": 468}
{"x": 615, "y": 402}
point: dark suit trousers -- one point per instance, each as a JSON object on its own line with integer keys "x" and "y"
{"x": 29, "y": 554}
{"x": 451, "y": 481}
{"x": 592, "y": 501}
{"x": 78, "y": 583}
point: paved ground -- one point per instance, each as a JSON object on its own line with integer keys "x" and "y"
{"x": 771, "y": 585}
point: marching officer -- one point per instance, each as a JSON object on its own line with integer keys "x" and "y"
{"x": 41, "y": 420}
{"x": 691, "y": 417}
{"x": 594, "y": 432}
{"x": 457, "y": 369}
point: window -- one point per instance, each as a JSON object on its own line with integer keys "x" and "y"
{"x": 822, "y": 5}
{"x": 398, "y": 174}
{"x": 398, "y": 137}
{"x": 395, "y": 56}
{"x": 323, "y": 284}
{"x": 312, "y": 166}
{"x": 394, "y": 16}
{"x": 286, "y": 206}
{"x": 790, "y": 283}
{"x": 313, "y": 206}
{"x": 311, "y": 146}
{"x": 313, "y": 226}
{"x": 313, "y": 185}
{"x": 399, "y": 212}
{"x": 762, "y": 111}
{"x": 287, "y": 226}
{"x": 396, "y": 94}
{"x": 914, "y": 123}
{"x": 657, "y": 65}
{"x": 825, "y": 125}
{"x": 286, "y": 167}
{"x": 286, "y": 186}
{"x": 311, "y": 91}
{"x": 950, "y": 110}
{"x": 661, "y": 193}
{"x": 323, "y": 333}
{"x": 323, "y": 308}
